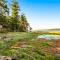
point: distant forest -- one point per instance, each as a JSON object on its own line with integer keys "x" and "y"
{"x": 11, "y": 20}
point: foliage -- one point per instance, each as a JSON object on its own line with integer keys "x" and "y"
{"x": 23, "y": 23}
{"x": 3, "y": 7}
{"x": 15, "y": 10}
{"x": 12, "y": 20}
{"x": 3, "y": 13}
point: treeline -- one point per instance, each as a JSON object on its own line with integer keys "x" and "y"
{"x": 10, "y": 20}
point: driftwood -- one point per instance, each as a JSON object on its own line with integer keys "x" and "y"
{"x": 6, "y": 58}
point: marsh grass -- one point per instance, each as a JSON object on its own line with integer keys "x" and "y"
{"x": 25, "y": 46}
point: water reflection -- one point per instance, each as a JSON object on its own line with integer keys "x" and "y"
{"x": 46, "y": 36}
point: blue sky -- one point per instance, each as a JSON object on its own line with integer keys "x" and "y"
{"x": 41, "y": 14}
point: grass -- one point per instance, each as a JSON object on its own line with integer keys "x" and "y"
{"x": 25, "y": 46}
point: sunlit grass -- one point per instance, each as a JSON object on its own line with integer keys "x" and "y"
{"x": 25, "y": 46}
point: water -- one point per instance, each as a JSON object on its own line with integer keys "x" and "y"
{"x": 46, "y": 36}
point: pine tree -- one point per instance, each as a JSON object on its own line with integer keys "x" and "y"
{"x": 3, "y": 12}
{"x": 23, "y": 23}
{"x": 3, "y": 7}
{"x": 15, "y": 11}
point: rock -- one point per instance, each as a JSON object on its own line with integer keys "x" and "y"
{"x": 5, "y": 58}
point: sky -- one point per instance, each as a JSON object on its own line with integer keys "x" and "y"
{"x": 41, "y": 14}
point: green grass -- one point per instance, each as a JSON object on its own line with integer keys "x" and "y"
{"x": 34, "y": 49}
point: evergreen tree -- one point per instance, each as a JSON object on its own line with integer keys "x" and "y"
{"x": 3, "y": 12}
{"x": 12, "y": 22}
{"x": 15, "y": 11}
{"x": 23, "y": 23}
{"x": 3, "y": 7}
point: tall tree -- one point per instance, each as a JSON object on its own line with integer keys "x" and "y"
{"x": 23, "y": 23}
{"x": 3, "y": 7}
{"x": 15, "y": 11}
{"x": 3, "y": 12}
